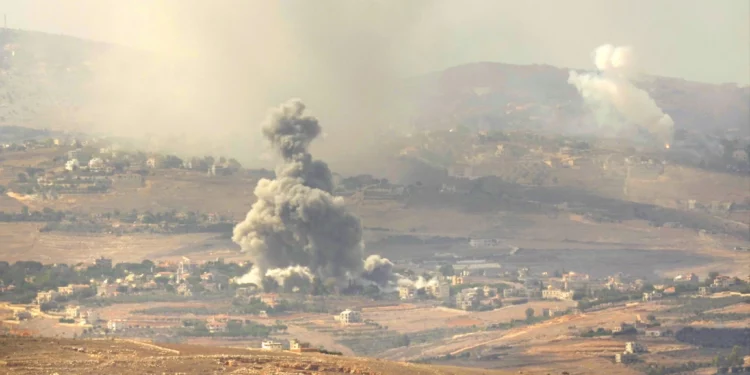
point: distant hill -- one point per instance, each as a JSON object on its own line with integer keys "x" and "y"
{"x": 43, "y": 77}
{"x": 490, "y": 95}
{"x": 46, "y": 82}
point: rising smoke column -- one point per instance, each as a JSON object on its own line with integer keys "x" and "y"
{"x": 296, "y": 227}
{"x": 614, "y": 98}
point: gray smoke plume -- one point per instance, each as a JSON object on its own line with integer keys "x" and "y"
{"x": 296, "y": 226}
{"x": 616, "y": 101}
{"x": 378, "y": 270}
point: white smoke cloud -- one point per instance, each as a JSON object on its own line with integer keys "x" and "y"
{"x": 617, "y": 102}
{"x": 419, "y": 283}
{"x": 293, "y": 276}
{"x": 282, "y": 275}
{"x": 252, "y": 277}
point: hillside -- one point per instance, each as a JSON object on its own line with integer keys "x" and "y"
{"x": 496, "y": 96}
{"x": 48, "y": 356}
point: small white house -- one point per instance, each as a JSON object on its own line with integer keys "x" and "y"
{"x": 96, "y": 163}
{"x": 634, "y": 348}
{"x": 349, "y": 316}
{"x": 271, "y": 346}
{"x": 117, "y": 325}
{"x": 72, "y": 312}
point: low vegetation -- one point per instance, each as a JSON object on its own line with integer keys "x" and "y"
{"x": 715, "y": 337}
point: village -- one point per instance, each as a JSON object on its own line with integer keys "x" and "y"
{"x": 90, "y": 165}
{"x": 188, "y": 300}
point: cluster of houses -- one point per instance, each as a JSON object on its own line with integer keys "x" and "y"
{"x": 246, "y": 294}
{"x": 35, "y": 144}
{"x": 89, "y": 168}
{"x": 85, "y": 174}
{"x": 640, "y": 327}
{"x": 6, "y": 289}
{"x": 81, "y": 316}
{"x": 564, "y": 287}
{"x": 438, "y": 288}
{"x": 176, "y": 275}
{"x": 294, "y": 346}
{"x": 472, "y": 298}
{"x": 184, "y": 276}
{"x": 62, "y": 291}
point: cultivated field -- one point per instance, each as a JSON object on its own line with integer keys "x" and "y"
{"x": 412, "y": 318}
{"x": 34, "y": 356}
{"x": 680, "y": 183}
{"x": 23, "y": 241}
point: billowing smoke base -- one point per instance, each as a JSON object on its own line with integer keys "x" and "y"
{"x": 618, "y": 103}
{"x": 378, "y": 270}
{"x": 420, "y": 283}
{"x": 297, "y": 229}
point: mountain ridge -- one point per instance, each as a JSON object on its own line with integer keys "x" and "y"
{"x": 45, "y": 78}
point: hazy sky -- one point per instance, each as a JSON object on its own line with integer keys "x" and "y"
{"x": 703, "y": 40}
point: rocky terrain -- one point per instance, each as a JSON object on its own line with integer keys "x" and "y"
{"x": 66, "y": 356}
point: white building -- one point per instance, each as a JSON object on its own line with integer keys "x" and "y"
{"x": 271, "y": 346}
{"x": 72, "y": 165}
{"x": 216, "y": 326}
{"x": 96, "y": 163}
{"x": 686, "y": 278}
{"x": 722, "y": 282}
{"x": 117, "y": 325}
{"x": 406, "y": 292}
{"x": 651, "y": 296}
{"x": 482, "y": 269}
{"x": 485, "y": 242}
{"x": 185, "y": 266}
{"x": 45, "y": 297}
{"x": 557, "y": 294}
{"x": 574, "y": 281}
{"x": 349, "y": 316}
{"x": 72, "y": 312}
{"x": 467, "y": 299}
{"x": 298, "y": 346}
{"x": 632, "y": 347}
